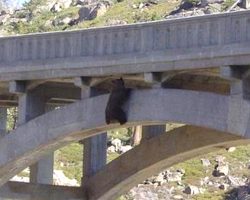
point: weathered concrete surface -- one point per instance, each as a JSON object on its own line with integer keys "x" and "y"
{"x": 187, "y": 43}
{"x": 95, "y": 155}
{"x": 32, "y": 104}
{"x": 3, "y": 121}
{"x": 152, "y": 131}
{"x": 155, "y": 155}
{"x": 86, "y": 118}
{"x": 28, "y": 191}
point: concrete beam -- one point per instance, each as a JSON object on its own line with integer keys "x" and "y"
{"x": 28, "y": 191}
{"x": 86, "y": 118}
{"x": 3, "y": 122}
{"x": 233, "y": 73}
{"x": 17, "y": 87}
{"x": 149, "y": 132}
{"x": 152, "y": 77}
{"x": 154, "y": 155}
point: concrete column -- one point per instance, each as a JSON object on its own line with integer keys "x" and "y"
{"x": 95, "y": 148}
{"x": 245, "y": 4}
{"x": 31, "y": 105}
{"x": 3, "y": 121}
{"x": 152, "y": 131}
{"x": 95, "y": 154}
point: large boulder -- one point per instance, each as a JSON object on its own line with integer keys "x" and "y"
{"x": 92, "y": 11}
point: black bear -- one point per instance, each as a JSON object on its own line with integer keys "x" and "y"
{"x": 118, "y": 96}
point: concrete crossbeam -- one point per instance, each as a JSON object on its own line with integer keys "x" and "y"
{"x": 86, "y": 118}
{"x": 29, "y": 191}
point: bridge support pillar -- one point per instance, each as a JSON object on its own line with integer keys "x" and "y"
{"x": 32, "y": 104}
{"x": 3, "y": 121}
{"x": 245, "y": 4}
{"x": 149, "y": 132}
{"x": 95, "y": 148}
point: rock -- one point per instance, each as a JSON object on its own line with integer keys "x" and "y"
{"x": 134, "y": 6}
{"x": 124, "y": 149}
{"x": 153, "y": 2}
{"x": 84, "y": 13}
{"x": 205, "y": 162}
{"x": 236, "y": 181}
{"x": 117, "y": 143}
{"x": 231, "y": 149}
{"x": 179, "y": 197}
{"x": 61, "y": 179}
{"x": 182, "y": 171}
{"x": 66, "y": 20}
{"x": 57, "y": 22}
{"x": 3, "y": 12}
{"x": 219, "y": 159}
{"x": 224, "y": 186}
{"x": 204, "y": 181}
{"x": 99, "y": 10}
{"x": 160, "y": 179}
{"x": 243, "y": 193}
{"x": 58, "y": 5}
{"x": 173, "y": 176}
{"x": 192, "y": 190}
{"x": 83, "y": 2}
{"x": 114, "y": 22}
{"x": 141, "y": 5}
{"x": 56, "y": 8}
{"x": 221, "y": 170}
{"x": 20, "y": 179}
{"x": 4, "y": 19}
{"x": 92, "y": 11}
{"x": 111, "y": 149}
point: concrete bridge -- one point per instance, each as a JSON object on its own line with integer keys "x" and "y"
{"x": 193, "y": 71}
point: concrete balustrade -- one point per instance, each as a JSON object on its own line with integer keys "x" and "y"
{"x": 137, "y": 48}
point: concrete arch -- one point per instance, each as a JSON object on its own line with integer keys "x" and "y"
{"x": 28, "y": 143}
{"x": 153, "y": 156}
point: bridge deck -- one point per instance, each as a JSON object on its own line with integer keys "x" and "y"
{"x": 175, "y": 44}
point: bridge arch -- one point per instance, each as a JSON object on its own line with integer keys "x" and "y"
{"x": 29, "y": 142}
{"x": 153, "y": 156}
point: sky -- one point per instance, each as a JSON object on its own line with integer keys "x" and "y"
{"x": 16, "y": 3}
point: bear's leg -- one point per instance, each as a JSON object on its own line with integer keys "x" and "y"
{"x": 121, "y": 116}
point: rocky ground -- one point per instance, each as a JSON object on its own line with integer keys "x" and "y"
{"x": 222, "y": 175}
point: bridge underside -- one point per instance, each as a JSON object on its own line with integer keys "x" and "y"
{"x": 146, "y": 159}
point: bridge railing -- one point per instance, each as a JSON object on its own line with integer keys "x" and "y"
{"x": 186, "y": 33}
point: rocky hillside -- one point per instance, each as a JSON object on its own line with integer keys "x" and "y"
{"x": 216, "y": 176}
{"x": 54, "y": 15}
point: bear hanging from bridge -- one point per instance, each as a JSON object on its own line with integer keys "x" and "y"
{"x": 118, "y": 96}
